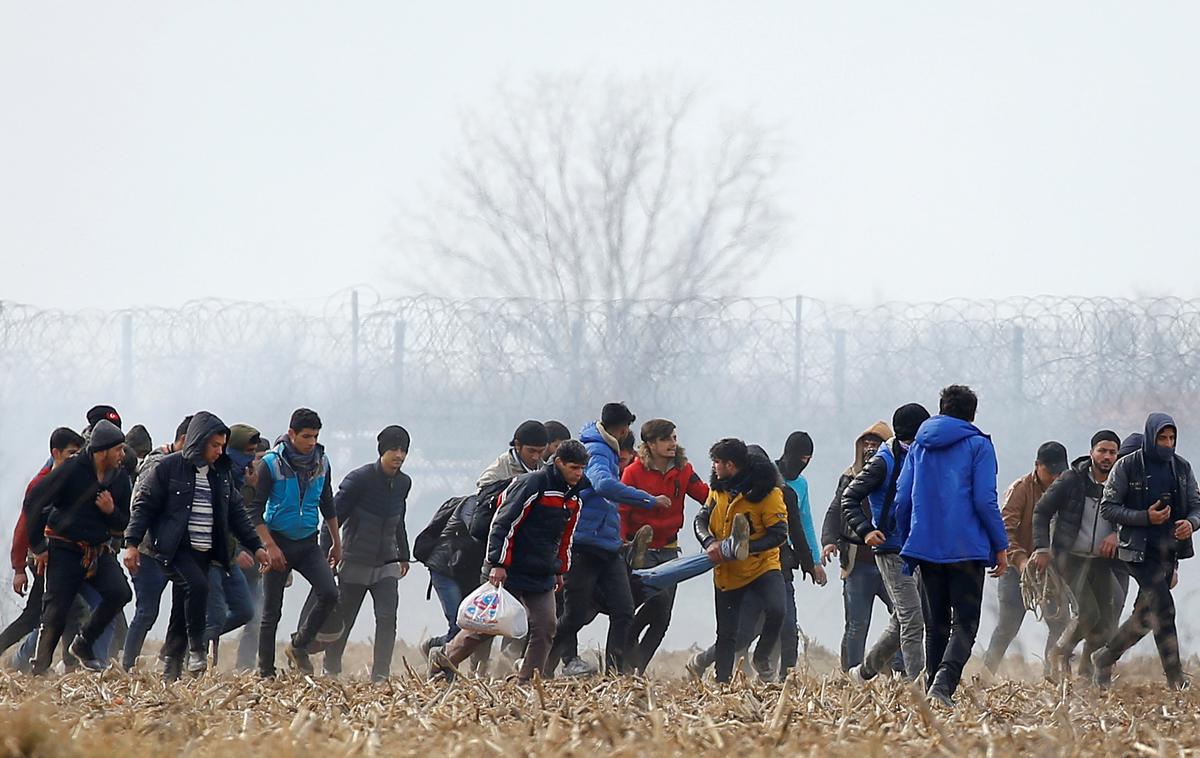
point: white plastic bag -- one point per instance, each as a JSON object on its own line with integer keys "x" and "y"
{"x": 493, "y": 610}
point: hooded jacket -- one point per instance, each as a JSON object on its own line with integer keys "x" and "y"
{"x": 532, "y": 530}
{"x": 835, "y": 530}
{"x": 371, "y": 507}
{"x": 1131, "y": 490}
{"x": 946, "y": 509}
{"x": 599, "y": 524}
{"x": 1017, "y": 514}
{"x": 64, "y": 501}
{"x": 755, "y": 493}
{"x": 875, "y": 485}
{"x": 165, "y": 495}
{"x": 676, "y": 482}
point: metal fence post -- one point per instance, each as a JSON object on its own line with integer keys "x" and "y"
{"x": 798, "y": 355}
{"x": 398, "y": 363}
{"x": 839, "y": 371}
{"x": 1018, "y": 363}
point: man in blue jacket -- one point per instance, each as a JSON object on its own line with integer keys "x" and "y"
{"x": 294, "y": 494}
{"x": 950, "y": 528}
{"x": 597, "y": 567}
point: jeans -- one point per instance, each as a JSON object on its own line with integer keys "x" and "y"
{"x": 738, "y": 612}
{"x": 385, "y": 597}
{"x": 230, "y": 605}
{"x": 953, "y": 596}
{"x": 906, "y": 629}
{"x": 188, "y": 571}
{"x": 450, "y": 596}
{"x": 859, "y": 592}
{"x": 1012, "y": 615}
{"x": 306, "y": 557}
{"x": 1153, "y": 610}
{"x": 1098, "y": 593}
{"x": 592, "y": 572}
{"x": 540, "y": 608}
{"x": 247, "y": 649}
{"x": 653, "y": 617}
{"x": 148, "y": 585}
{"x": 65, "y": 576}
{"x": 665, "y": 576}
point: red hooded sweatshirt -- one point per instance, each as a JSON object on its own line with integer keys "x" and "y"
{"x": 681, "y": 479}
{"x": 20, "y": 543}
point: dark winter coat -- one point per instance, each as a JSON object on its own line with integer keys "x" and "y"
{"x": 371, "y": 507}
{"x": 876, "y": 486}
{"x": 532, "y": 530}
{"x": 165, "y": 494}
{"x": 1058, "y": 514}
{"x": 1127, "y": 500}
{"x": 65, "y": 501}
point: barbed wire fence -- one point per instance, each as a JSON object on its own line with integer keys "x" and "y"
{"x": 463, "y": 373}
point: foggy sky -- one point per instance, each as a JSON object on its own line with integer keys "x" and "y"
{"x": 935, "y": 149}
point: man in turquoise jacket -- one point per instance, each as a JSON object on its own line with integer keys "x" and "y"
{"x": 293, "y": 495}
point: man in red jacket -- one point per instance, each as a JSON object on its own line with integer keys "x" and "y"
{"x": 64, "y": 443}
{"x": 660, "y": 468}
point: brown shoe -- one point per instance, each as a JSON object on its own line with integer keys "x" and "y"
{"x": 639, "y": 545}
{"x": 741, "y": 537}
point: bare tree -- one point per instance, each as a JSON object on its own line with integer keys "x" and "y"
{"x": 573, "y": 191}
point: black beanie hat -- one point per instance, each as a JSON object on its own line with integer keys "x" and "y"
{"x": 106, "y": 412}
{"x": 1106, "y": 435}
{"x": 531, "y": 433}
{"x": 393, "y": 437}
{"x": 908, "y": 419}
{"x": 105, "y": 436}
{"x": 139, "y": 439}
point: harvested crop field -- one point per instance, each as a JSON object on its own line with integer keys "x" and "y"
{"x": 811, "y": 714}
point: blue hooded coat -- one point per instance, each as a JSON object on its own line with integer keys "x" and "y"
{"x": 946, "y": 506}
{"x": 599, "y": 523}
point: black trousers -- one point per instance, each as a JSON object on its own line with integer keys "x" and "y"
{"x": 1154, "y": 610}
{"x": 65, "y": 574}
{"x": 1095, "y": 584}
{"x": 189, "y": 602}
{"x": 306, "y": 557}
{"x": 653, "y": 617}
{"x": 953, "y": 595}
{"x": 738, "y": 612}
{"x": 385, "y": 597}
{"x": 606, "y": 574}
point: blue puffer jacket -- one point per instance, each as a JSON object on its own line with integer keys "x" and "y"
{"x": 599, "y": 523}
{"x": 946, "y": 505}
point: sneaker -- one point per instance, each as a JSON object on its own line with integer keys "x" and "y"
{"x": 1102, "y": 669}
{"x": 197, "y": 662}
{"x": 518, "y": 664}
{"x": 440, "y": 664}
{"x": 83, "y": 651}
{"x": 428, "y": 644}
{"x": 941, "y": 697}
{"x": 858, "y": 676}
{"x": 299, "y": 659}
{"x": 637, "y": 548}
{"x": 172, "y": 669}
{"x": 695, "y": 667}
{"x": 579, "y": 667}
{"x": 741, "y": 537}
{"x": 1178, "y": 682}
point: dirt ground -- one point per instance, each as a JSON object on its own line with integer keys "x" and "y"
{"x": 816, "y": 712}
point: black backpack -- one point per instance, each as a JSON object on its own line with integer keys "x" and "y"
{"x": 427, "y": 540}
{"x": 480, "y": 520}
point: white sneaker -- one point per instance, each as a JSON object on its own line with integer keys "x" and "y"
{"x": 579, "y": 667}
{"x": 855, "y": 675}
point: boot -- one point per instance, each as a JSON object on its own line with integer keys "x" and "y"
{"x": 1102, "y": 665}
{"x": 942, "y": 690}
{"x": 172, "y": 669}
{"x": 637, "y": 547}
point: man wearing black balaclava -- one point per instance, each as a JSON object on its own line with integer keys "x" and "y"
{"x": 1152, "y": 497}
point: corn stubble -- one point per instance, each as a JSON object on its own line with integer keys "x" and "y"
{"x": 809, "y": 714}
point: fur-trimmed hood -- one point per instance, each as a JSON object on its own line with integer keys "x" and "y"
{"x": 756, "y": 482}
{"x": 880, "y": 429}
